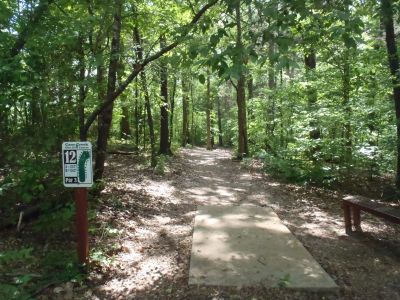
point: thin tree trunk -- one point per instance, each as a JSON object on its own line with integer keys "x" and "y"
{"x": 393, "y": 57}
{"x": 147, "y": 104}
{"x": 105, "y": 117}
{"x": 219, "y": 115}
{"x": 164, "y": 132}
{"x": 139, "y": 67}
{"x": 185, "y": 112}
{"x": 270, "y": 129}
{"x": 240, "y": 89}
{"x": 124, "y": 124}
{"x": 208, "y": 113}
{"x": 347, "y": 107}
{"x": 33, "y": 21}
{"x": 137, "y": 117}
{"x": 193, "y": 128}
{"x": 346, "y": 91}
{"x": 144, "y": 116}
{"x": 82, "y": 91}
{"x": 171, "y": 116}
{"x": 250, "y": 88}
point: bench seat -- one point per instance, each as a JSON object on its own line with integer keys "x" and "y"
{"x": 352, "y": 205}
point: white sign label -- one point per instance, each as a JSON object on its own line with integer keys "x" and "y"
{"x": 77, "y": 164}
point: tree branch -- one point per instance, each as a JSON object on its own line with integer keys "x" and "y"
{"x": 140, "y": 66}
{"x": 234, "y": 85}
{"x": 23, "y": 36}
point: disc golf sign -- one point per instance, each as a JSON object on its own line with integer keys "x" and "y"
{"x": 77, "y": 164}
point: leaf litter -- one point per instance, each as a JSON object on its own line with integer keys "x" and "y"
{"x": 145, "y": 221}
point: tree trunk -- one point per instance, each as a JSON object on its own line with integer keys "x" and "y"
{"x": 219, "y": 115}
{"x": 137, "y": 117}
{"x": 105, "y": 116}
{"x": 139, "y": 67}
{"x": 192, "y": 127}
{"x": 33, "y": 21}
{"x": 242, "y": 121}
{"x": 171, "y": 116}
{"x": 346, "y": 86}
{"x": 144, "y": 117}
{"x": 240, "y": 91}
{"x": 147, "y": 104}
{"x": 393, "y": 57}
{"x": 270, "y": 129}
{"x": 164, "y": 132}
{"x": 185, "y": 112}
{"x": 347, "y": 108}
{"x": 250, "y": 88}
{"x": 208, "y": 113}
{"x": 82, "y": 91}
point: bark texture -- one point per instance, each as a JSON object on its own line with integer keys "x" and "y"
{"x": 208, "y": 113}
{"x": 243, "y": 149}
{"x": 185, "y": 111}
{"x": 105, "y": 117}
{"x": 143, "y": 79}
{"x": 164, "y": 132}
{"x": 393, "y": 57}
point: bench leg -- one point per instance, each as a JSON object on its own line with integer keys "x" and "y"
{"x": 347, "y": 218}
{"x": 356, "y": 218}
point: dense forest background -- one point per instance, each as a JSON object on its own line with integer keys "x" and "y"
{"x": 302, "y": 85}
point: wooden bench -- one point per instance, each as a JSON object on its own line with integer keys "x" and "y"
{"x": 353, "y": 205}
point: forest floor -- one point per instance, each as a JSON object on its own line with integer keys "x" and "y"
{"x": 142, "y": 233}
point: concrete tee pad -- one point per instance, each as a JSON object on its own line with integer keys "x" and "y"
{"x": 249, "y": 245}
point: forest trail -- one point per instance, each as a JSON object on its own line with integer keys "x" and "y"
{"x": 146, "y": 221}
{"x": 212, "y": 178}
{"x": 235, "y": 243}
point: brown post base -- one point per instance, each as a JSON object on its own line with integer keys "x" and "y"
{"x": 81, "y": 206}
{"x": 347, "y": 218}
{"x": 356, "y": 218}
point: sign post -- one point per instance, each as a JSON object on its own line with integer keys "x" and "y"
{"x": 78, "y": 174}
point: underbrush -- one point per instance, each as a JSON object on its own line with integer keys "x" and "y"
{"x": 363, "y": 177}
{"x": 26, "y": 271}
{"x": 44, "y": 254}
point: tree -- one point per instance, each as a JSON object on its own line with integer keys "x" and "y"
{"x": 243, "y": 149}
{"x": 185, "y": 110}
{"x": 143, "y": 78}
{"x": 208, "y": 113}
{"x": 164, "y": 132}
{"x": 393, "y": 58}
{"x": 171, "y": 117}
{"x": 105, "y": 116}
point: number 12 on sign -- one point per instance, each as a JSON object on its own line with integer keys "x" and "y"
{"x": 77, "y": 164}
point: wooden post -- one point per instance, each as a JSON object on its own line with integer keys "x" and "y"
{"x": 347, "y": 218}
{"x": 81, "y": 207}
{"x": 356, "y": 218}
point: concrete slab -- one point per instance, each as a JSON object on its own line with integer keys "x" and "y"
{"x": 249, "y": 245}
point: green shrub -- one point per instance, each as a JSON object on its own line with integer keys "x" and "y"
{"x": 56, "y": 221}
{"x": 161, "y": 164}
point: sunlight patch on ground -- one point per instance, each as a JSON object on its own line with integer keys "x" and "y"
{"x": 146, "y": 274}
{"x": 159, "y": 189}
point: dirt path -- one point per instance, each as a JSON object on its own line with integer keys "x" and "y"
{"x": 145, "y": 223}
{"x": 212, "y": 178}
